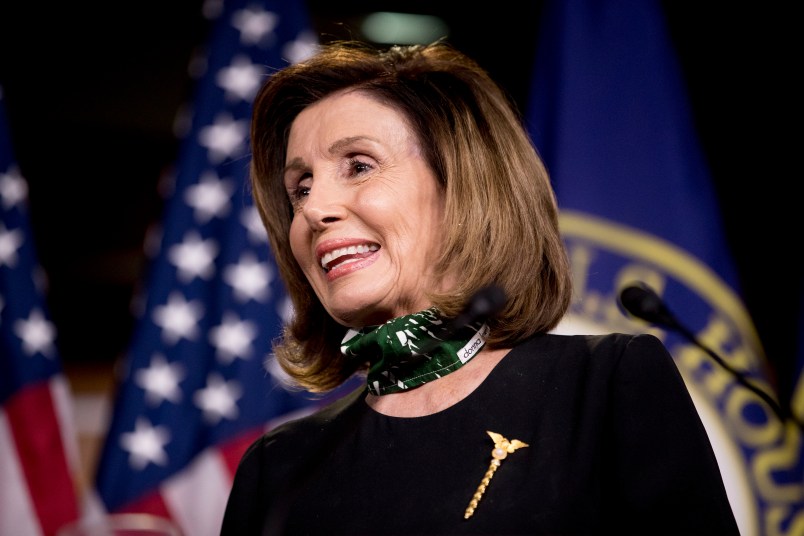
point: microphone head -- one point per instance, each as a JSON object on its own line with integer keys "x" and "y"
{"x": 642, "y": 302}
{"x": 482, "y": 305}
{"x": 487, "y": 301}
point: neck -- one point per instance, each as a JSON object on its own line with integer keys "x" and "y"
{"x": 439, "y": 394}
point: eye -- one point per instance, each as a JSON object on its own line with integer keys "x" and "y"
{"x": 298, "y": 193}
{"x": 358, "y": 166}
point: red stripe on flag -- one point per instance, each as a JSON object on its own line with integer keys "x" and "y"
{"x": 37, "y": 436}
{"x": 233, "y": 450}
{"x": 151, "y": 503}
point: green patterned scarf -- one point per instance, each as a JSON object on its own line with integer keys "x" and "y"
{"x": 411, "y": 350}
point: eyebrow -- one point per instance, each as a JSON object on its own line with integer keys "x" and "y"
{"x": 343, "y": 142}
{"x": 298, "y": 163}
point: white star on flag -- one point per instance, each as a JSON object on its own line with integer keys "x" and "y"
{"x": 194, "y": 257}
{"x": 249, "y": 278}
{"x": 178, "y": 318}
{"x": 210, "y": 197}
{"x": 300, "y": 48}
{"x": 225, "y": 138}
{"x": 256, "y": 25}
{"x": 13, "y": 188}
{"x": 217, "y": 399}
{"x": 146, "y": 444}
{"x": 250, "y": 218}
{"x": 241, "y": 79}
{"x": 10, "y": 242}
{"x": 285, "y": 310}
{"x": 37, "y": 334}
{"x": 232, "y": 338}
{"x": 160, "y": 380}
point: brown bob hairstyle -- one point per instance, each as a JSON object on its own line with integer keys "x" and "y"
{"x": 501, "y": 216}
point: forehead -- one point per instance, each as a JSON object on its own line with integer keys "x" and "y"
{"x": 349, "y": 113}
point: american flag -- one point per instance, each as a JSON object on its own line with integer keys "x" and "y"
{"x": 198, "y": 384}
{"x": 39, "y": 461}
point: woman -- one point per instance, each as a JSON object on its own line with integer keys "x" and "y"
{"x": 395, "y": 186}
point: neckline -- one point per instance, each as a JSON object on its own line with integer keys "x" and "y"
{"x": 443, "y": 399}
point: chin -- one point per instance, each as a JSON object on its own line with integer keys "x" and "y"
{"x": 360, "y": 315}
{"x": 351, "y": 317}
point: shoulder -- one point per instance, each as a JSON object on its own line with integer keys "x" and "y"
{"x": 609, "y": 346}
{"x": 634, "y": 370}
{"x": 277, "y": 459}
{"x": 290, "y": 438}
{"x": 598, "y": 358}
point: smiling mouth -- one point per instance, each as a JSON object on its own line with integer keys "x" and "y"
{"x": 340, "y": 256}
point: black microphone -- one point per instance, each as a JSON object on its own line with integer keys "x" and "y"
{"x": 644, "y": 303}
{"x": 483, "y": 304}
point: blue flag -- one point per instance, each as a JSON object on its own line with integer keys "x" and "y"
{"x": 39, "y": 461}
{"x": 198, "y": 383}
{"x": 610, "y": 116}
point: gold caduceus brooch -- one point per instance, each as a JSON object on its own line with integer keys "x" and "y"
{"x": 502, "y": 448}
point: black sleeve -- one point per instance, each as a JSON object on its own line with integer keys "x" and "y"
{"x": 276, "y": 465}
{"x": 665, "y": 476}
{"x": 245, "y": 507}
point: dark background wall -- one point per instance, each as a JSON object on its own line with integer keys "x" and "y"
{"x": 93, "y": 90}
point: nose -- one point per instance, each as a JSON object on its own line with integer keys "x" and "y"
{"x": 325, "y": 204}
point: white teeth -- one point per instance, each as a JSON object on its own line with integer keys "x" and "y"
{"x": 351, "y": 250}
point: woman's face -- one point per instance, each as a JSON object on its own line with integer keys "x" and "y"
{"x": 367, "y": 209}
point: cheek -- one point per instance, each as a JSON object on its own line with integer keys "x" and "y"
{"x": 298, "y": 242}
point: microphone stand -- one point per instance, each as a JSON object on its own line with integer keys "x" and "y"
{"x": 642, "y": 302}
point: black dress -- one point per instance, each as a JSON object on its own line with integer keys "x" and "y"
{"x": 615, "y": 446}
